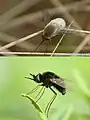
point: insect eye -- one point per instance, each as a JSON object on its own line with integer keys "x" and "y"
{"x": 38, "y": 77}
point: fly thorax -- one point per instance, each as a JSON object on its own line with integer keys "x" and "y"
{"x": 48, "y": 31}
{"x": 46, "y": 82}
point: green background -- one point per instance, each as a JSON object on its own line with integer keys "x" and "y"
{"x": 75, "y": 105}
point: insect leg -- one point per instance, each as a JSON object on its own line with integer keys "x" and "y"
{"x": 33, "y": 90}
{"x": 46, "y": 47}
{"x": 39, "y": 92}
{"x": 51, "y": 101}
{"x": 38, "y": 46}
{"x": 43, "y": 90}
{"x": 50, "y": 43}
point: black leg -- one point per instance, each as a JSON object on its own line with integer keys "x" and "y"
{"x": 39, "y": 92}
{"x": 51, "y": 101}
{"x": 38, "y": 46}
{"x": 49, "y": 42}
{"x": 42, "y": 90}
{"x": 33, "y": 90}
{"x": 47, "y": 45}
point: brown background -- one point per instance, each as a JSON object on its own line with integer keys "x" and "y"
{"x": 20, "y": 18}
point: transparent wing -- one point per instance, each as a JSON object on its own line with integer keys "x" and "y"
{"x": 68, "y": 84}
{"x": 58, "y": 81}
{"x": 46, "y": 17}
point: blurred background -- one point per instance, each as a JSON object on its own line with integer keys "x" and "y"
{"x": 19, "y": 18}
{"x": 74, "y": 105}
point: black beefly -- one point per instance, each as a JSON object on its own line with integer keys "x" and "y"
{"x": 49, "y": 79}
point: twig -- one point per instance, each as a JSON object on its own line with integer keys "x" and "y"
{"x": 18, "y": 9}
{"x": 8, "y": 38}
{"x": 5, "y": 52}
{"x": 65, "y": 12}
{"x": 74, "y": 31}
{"x": 20, "y": 40}
{"x": 44, "y": 54}
{"x": 69, "y": 17}
{"x": 82, "y": 44}
{"x": 33, "y": 17}
{"x": 61, "y": 39}
{"x": 78, "y": 5}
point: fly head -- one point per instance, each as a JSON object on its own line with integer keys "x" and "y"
{"x": 38, "y": 78}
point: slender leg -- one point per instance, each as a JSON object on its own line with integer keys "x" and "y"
{"x": 49, "y": 42}
{"x": 51, "y": 101}
{"x": 39, "y": 92}
{"x": 38, "y": 46}
{"x": 43, "y": 90}
{"x": 50, "y": 104}
{"x": 33, "y": 90}
{"x": 47, "y": 45}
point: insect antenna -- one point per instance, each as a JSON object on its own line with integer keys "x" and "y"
{"x": 36, "y": 88}
{"x": 32, "y": 75}
{"x": 29, "y": 78}
{"x": 50, "y": 102}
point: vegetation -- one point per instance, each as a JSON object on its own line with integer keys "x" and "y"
{"x": 74, "y": 105}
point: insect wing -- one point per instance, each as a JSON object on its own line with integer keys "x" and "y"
{"x": 68, "y": 84}
{"x": 46, "y": 17}
{"x": 58, "y": 81}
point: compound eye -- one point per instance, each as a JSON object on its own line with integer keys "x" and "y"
{"x": 38, "y": 78}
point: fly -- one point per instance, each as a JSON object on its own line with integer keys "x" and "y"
{"x": 52, "y": 29}
{"x": 55, "y": 27}
{"x": 48, "y": 80}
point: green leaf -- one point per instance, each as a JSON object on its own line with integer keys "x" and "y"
{"x": 66, "y": 113}
{"x": 81, "y": 83}
{"x": 36, "y": 105}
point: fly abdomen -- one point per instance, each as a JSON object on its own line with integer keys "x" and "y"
{"x": 62, "y": 90}
{"x": 53, "y": 27}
